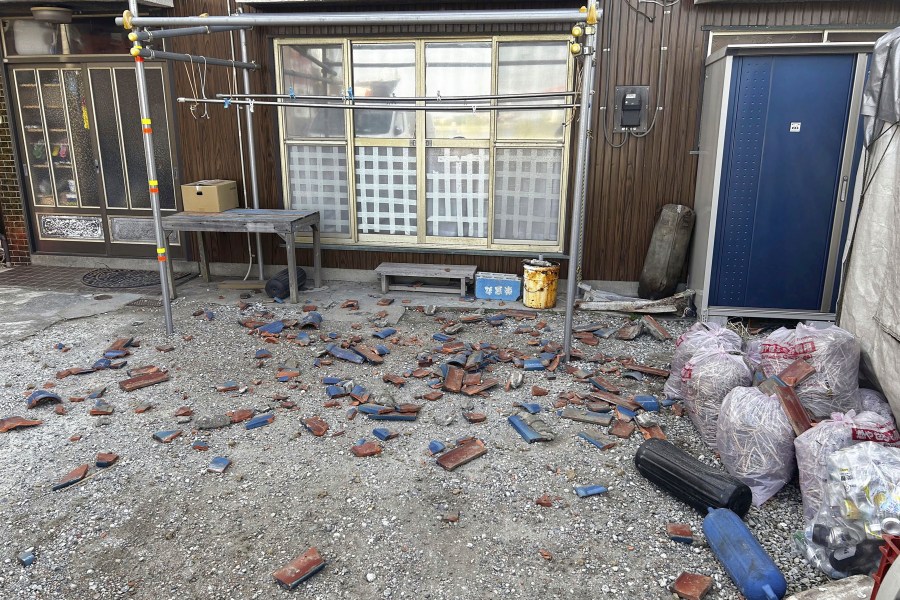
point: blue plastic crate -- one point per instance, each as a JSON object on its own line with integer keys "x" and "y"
{"x": 497, "y": 286}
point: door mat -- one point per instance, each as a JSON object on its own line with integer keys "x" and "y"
{"x": 126, "y": 278}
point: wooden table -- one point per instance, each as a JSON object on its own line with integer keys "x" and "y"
{"x": 284, "y": 223}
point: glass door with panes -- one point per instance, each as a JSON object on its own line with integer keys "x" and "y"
{"x": 83, "y": 160}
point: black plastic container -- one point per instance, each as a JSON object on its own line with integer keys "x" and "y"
{"x": 689, "y": 480}
{"x": 280, "y": 287}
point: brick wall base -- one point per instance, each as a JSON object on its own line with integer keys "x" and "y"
{"x": 11, "y": 199}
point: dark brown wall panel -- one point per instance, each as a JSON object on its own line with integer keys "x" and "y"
{"x": 627, "y": 186}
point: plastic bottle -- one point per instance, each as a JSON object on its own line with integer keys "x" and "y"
{"x": 749, "y": 566}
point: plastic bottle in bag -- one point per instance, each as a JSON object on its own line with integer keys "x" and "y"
{"x": 862, "y": 494}
{"x": 814, "y": 446}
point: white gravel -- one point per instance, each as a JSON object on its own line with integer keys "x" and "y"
{"x": 157, "y": 525}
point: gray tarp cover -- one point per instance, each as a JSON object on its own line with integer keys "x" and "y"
{"x": 871, "y": 293}
{"x": 880, "y": 106}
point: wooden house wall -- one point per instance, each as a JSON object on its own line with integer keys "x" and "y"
{"x": 626, "y": 186}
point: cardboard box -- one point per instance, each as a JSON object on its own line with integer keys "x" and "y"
{"x": 209, "y": 195}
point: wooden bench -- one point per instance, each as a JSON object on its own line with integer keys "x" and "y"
{"x": 465, "y": 274}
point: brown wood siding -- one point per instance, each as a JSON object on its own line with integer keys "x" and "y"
{"x": 627, "y": 187}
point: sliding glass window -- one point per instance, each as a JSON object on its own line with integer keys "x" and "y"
{"x": 437, "y": 178}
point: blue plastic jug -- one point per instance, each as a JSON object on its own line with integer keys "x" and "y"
{"x": 745, "y": 561}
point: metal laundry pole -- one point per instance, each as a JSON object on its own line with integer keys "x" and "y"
{"x": 581, "y": 168}
{"x": 147, "y": 129}
{"x": 251, "y": 144}
{"x": 437, "y": 17}
{"x": 131, "y": 20}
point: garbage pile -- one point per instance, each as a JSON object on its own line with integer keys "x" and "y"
{"x": 791, "y": 402}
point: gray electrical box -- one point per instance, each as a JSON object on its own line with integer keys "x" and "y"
{"x": 632, "y": 107}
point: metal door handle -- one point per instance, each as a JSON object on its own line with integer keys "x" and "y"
{"x": 842, "y": 193}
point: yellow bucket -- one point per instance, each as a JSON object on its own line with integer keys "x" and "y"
{"x": 540, "y": 284}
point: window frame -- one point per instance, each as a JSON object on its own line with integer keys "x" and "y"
{"x": 420, "y": 145}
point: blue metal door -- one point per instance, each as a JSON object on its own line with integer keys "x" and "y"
{"x": 781, "y": 167}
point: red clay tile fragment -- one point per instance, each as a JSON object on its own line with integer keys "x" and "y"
{"x": 142, "y": 381}
{"x": 652, "y": 432}
{"x": 75, "y": 438}
{"x": 106, "y": 459}
{"x": 680, "y": 532}
{"x": 546, "y": 501}
{"x": 385, "y": 302}
{"x": 797, "y": 372}
{"x": 462, "y": 454}
{"x": 691, "y": 586}
{"x": 483, "y": 386}
{"x": 475, "y": 417}
{"x": 316, "y": 426}
{"x": 184, "y": 411}
{"x": 240, "y": 415}
{"x": 470, "y": 379}
{"x": 366, "y": 449}
{"x": 537, "y": 390}
{"x": 146, "y": 370}
{"x": 165, "y": 348}
{"x": 622, "y": 429}
{"x": 60, "y": 409}
{"x": 309, "y": 307}
{"x": 368, "y": 353}
{"x": 300, "y": 569}
{"x": 653, "y": 327}
{"x": 678, "y": 410}
{"x": 73, "y": 477}
{"x": 545, "y": 554}
{"x": 432, "y": 396}
{"x": 646, "y": 369}
{"x": 392, "y": 378}
{"x": 142, "y": 407}
{"x": 10, "y": 423}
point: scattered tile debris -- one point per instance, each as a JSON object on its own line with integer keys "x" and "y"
{"x": 691, "y": 586}
{"x": 680, "y": 532}
{"x": 259, "y": 421}
{"x": 73, "y": 477}
{"x": 365, "y": 449}
{"x": 26, "y": 559}
{"x": 316, "y": 426}
{"x": 300, "y": 569}
{"x": 106, "y": 459}
{"x": 218, "y": 464}
{"x": 10, "y": 423}
{"x": 463, "y": 453}
{"x": 38, "y": 397}
{"x": 167, "y": 435}
{"x": 142, "y": 381}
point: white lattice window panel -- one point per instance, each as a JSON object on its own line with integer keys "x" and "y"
{"x": 457, "y": 192}
{"x": 386, "y": 190}
{"x": 527, "y": 185}
{"x": 317, "y": 176}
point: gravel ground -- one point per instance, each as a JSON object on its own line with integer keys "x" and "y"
{"x": 158, "y": 525}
